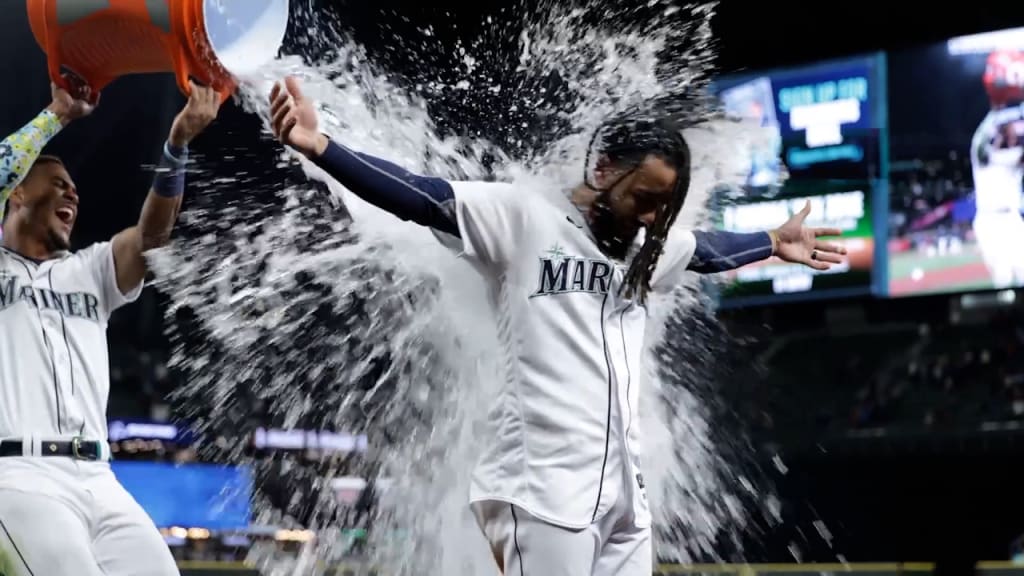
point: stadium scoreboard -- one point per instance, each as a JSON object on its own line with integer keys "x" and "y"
{"x": 827, "y": 136}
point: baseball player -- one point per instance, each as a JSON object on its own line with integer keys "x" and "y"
{"x": 559, "y": 490}
{"x": 997, "y": 166}
{"x": 62, "y": 511}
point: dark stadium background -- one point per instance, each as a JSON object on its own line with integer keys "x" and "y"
{"x": 924, "y": 496}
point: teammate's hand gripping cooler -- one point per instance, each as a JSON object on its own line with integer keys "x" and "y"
{"x": 216, "y": 42}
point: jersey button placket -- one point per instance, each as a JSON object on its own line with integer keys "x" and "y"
{"x": 615, "y": 352}
{"x": 622, "y": 382}
{"x": 62, "y": 367}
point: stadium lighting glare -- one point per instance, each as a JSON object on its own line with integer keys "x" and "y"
{"x": 986, "y": 42}
{"x": 294, "y": 535}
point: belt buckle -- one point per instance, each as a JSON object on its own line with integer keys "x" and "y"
{"x": 76, "y": 447}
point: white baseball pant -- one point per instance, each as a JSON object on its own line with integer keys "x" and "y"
{"x": 59, "y": 516}
{"x": 523, "y": 545}
{"x": 1000, "y": 237}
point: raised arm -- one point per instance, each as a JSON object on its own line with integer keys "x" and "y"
{"x": 19, "y": 150}
{"x": 160, "y": 210}
{"x": 425, "y": 200}
{"x": 719, "y": 251}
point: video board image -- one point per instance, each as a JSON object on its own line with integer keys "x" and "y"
{"x": 827, "y": 125}
{"x": 843, "y": 205}
{"x": 194, "y": 495}
{"x": 957, "y": 148}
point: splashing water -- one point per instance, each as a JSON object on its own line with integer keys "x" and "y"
{"x": 320, "y": 314}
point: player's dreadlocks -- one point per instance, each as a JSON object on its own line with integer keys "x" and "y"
{"x": 628, "y": 142}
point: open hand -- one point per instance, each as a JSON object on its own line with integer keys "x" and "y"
{"x": 801, "y": 245}
{"x": 293, "y": 118}
{"x": 199, "y": 112}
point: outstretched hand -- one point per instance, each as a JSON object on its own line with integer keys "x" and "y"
{"x": 801, "y": 245}
{"x": 293, "y": 118}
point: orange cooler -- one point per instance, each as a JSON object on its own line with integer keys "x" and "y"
{"x": 212, "y": 41}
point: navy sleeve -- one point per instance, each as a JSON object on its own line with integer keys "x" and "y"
{"x": 424, "y": 200}
{"x": 718, "y": 251}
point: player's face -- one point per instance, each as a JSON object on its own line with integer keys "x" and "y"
{"x": 631, "y": 200}
{"x": 49, "y": 204}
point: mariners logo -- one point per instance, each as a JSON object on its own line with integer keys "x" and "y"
{"x": 74, "y": 305}
{"x": 561, "y": 273}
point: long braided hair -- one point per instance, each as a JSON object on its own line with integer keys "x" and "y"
{"x": 626, "y": 142}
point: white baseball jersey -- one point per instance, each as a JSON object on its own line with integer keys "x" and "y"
{"x": 998, "y": 172}
{"x": 54, "y": 367}
{"x": 566, "y": 441}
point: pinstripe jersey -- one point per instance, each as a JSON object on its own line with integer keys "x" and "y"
{"x": 54, "y": 366}
{"x": 565, "y": 443}
{"x": 998, "y": 171}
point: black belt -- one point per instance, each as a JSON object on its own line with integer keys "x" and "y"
{"x": 75, "y": 448}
